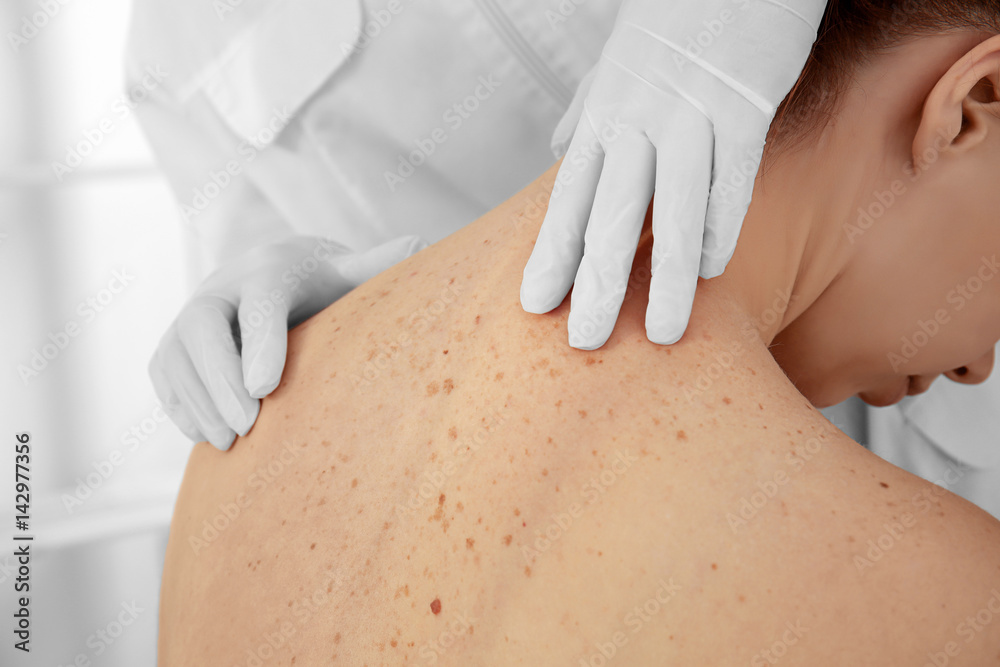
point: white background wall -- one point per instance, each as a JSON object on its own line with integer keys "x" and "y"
{"x": 60, "y": 244}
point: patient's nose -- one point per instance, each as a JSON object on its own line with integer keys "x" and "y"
{"x": 975, "y": 372}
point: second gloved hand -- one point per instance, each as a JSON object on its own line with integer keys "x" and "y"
{"x": 682, "y": 100}
{"x": 208, "y": 385}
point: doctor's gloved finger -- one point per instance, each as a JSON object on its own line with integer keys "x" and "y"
{"x": 363, "y": 266}
{"x": 568, "y": 124}
{"x": 192, "y": 394}
{"x": 171, "y": 403}
{"x": 264, "y": 332}
{"x": 733, "y": 178}
{"x": 554, "y": 261}
{"x": 205, "y": 327}
{"x": 611, "y": 241}
{"x": 683, "y": 178}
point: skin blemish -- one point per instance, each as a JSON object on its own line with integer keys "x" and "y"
{"x": 727, "y": 400}
{"x": 453, "y": 433}
{"x": 591, "y": 361}
{"x": 507, "y": 539}
{"x": 527, "y": 571}
{"x": 448, "y": 385}
{"x": 477, "y": 319}
{"x": 715, "y": 566}
{"x": 433, "y": 388}
{"x": 436, "y": 607}
{"x": 441, "y": 499}
{"x": 354, "y": 482}
{"x": 883, "y": 485}
{"x": 312, "y": 546}
{"x": 583, "y": 414}
{"x": 470, "y": 543}
{"x": 517, "y": 512}
{"x": 336, "y": 638}
{"x": 326, "y": 443}
{"x": 681, "y": 435}
{"x": 499, "y": 376}
{"x": 444, "y": 351}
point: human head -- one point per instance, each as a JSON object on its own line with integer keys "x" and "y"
{"x": 892, "y": 137}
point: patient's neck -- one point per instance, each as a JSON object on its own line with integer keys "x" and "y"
{"x": 800, "y": 232}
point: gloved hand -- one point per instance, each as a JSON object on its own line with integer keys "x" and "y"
{"x": 207, "y": 388}
{"x": 682, "y": 98}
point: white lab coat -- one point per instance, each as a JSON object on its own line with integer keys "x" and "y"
{"x": 949, "y": 435}
{"x": 314, "y": 117}
{"x": 442, "y": 114}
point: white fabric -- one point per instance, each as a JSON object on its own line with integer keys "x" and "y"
{"x": 949, "y": 435}
{"x": 350, "y": 107}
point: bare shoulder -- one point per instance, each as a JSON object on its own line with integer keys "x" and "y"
{"x": 936, "y": 559}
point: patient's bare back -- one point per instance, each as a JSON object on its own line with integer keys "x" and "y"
{"x": 440, "y": 479}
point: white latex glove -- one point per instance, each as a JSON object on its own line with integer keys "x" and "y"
{"x": 681, "y": 100}
{"x": 207, "y": 388}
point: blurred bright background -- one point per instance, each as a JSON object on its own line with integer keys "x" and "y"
{"x": 105, "y": 464}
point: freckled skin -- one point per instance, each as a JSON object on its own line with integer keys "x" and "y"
{"x": 571, "y": 497}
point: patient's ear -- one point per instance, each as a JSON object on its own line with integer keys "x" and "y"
{"x": 964, "y": 106}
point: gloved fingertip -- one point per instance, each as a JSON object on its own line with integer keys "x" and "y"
{"x": 223, "y": 440}
{"x": 251, "y": 419}
{"x": 665, "y": 336}
{"x": 261, "y": 377}
{"x": 712, "y": 269}
{"x": 535, "y": 303}
{"x": 587, "y": 343}
{"x": 261, "y": 388}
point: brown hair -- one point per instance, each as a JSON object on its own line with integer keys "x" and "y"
{"x": 851, "y": 34}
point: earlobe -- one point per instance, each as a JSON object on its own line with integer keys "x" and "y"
{"x": 959, "y": 110}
